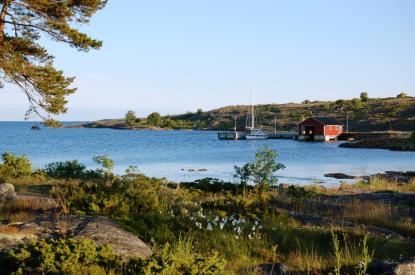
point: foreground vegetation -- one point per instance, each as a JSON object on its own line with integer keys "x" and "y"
{"x": 213, "y": 227}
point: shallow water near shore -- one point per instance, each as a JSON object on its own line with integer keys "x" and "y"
{"x": 171, "y": 154}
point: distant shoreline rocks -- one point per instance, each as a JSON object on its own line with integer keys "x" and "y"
{"x": 192, "y": 170}
{"x": 398, "y": 176}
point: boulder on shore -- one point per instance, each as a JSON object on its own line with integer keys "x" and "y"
{"x": 7, "y": 192}
{"x": 99, "y": 229}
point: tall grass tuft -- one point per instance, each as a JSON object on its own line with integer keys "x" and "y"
{"x": 337, "y": 253}
{"x": 366, "y": 257}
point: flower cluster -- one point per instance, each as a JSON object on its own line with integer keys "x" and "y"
{"x": 240, "y": 226}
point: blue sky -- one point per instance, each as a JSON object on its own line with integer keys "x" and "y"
{"x": 178, "y": 56}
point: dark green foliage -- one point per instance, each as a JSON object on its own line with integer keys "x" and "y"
{"x": 63, "y": 256}
{"x": 402, "y": 95}
{"x": 364, "y": 96}
{"x": 130, "y": 119}
{"x": 356, "y": 103}
{"x": 261, "y": 170}
{"x": 70, "y": 169}
{"x": 340, "y": 102}
{"x": 243, "y": 174}
{"x": 413, "y": 136}
{"x": 28, "y": 65}
{"x": 154, "y": 119}
{"x": 298, "y": 192}
{"x": 212, "y": 186}
{"x": 14, "y": 166}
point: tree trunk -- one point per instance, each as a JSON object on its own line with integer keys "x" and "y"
{"x": 2, "y": 19}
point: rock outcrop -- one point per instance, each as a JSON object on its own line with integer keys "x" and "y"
{"x": 99, "y": 229}
{"x": 7, "y": 192}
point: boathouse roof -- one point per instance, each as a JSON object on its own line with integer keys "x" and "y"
{"x": 326, "y": 120}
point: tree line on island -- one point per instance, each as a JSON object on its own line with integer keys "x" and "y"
{"x": 155, "y": 119}
{"x": 362, "y": 114}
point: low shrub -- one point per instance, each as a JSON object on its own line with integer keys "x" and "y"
{"x": 71, "y": 169}
{"x": 84, "y": 256}
{"x": 66, "y": 256}
{"x": 15, "y": 166}
{"x": 213, "y": 186}
{"x": 178, "y": 259}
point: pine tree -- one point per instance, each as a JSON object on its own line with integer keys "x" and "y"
{"x": 25, "y": 63}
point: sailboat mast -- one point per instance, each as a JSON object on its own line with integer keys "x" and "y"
{"x": 252, "y": 106}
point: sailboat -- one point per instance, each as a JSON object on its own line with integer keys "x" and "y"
{"x": 253, "y": 133}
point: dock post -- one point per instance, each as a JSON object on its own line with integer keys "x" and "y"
{"x": 235, "y": 134}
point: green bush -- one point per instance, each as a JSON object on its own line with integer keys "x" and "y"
{"x": 130, "y": 119}
{"x": 402, "y": 95}
{"x": 413, "y": 136}
{"x": 154, "y": 119}
{"x": 364, "y": 96}
{"x": 178, "y": 259}
{"x": 84, "y": 256}
{"x": 14, "y": 166}
{"x": 107, "y": 163}
{"x": 66, "y": 256}
{"x": 70, "y": 169}
{"x": 212, "y": 185}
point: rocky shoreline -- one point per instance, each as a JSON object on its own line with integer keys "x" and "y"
{"x": 394, "y": 176}
{"x": 394, "y": 144}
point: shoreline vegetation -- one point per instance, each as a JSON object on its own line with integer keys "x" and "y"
{"x": 256, "y": 226}
{"x": 370, "y": 115}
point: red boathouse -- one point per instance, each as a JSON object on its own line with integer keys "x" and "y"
{"x": 319, "y": 129}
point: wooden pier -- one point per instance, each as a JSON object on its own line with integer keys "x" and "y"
{"x": 283, "y": 135}
{"x": 237, "y": 135}
{"x": 231, "y": 135}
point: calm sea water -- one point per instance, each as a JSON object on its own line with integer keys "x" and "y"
{"x": 171, "y": 154}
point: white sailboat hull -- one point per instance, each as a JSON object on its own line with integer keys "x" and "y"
{"x": 255, "y": 134}
{"x": 255, "y": 137}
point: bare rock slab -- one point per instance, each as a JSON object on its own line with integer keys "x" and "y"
{"x": 105, "y": 231}
{"x": 100, "y": 229}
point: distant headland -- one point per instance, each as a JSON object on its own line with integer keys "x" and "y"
{"x": 361, "y": 115}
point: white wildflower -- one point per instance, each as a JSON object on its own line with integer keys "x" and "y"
{"x": 209, "y": 227}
